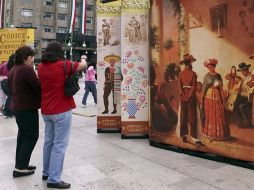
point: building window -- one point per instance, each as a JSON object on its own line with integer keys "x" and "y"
{"x": 48, "y": 15}
{"x": 27, "y": 12}
{"x": 89, "y": 32}
{"x": 77, "y": 19}
{"x": 63, "y": 4}
{"x": 7, "y": 13}
{"x": 218, "y": 16}
{"x": 78, "y": 6}
{"x": 26, "y": 24}
{"x": 76, "y": 30}
{"x": 36, "y": 43}
{"x": 89, "y": 7}
{"x": 61, "y": 17}
{"x": 48, "y": 29}
{"x": 45, "y": 42}
{"x": 62, "y": 30}
{"x": 25, "y": 1}
{"x": 49, "y": 2}
{"x": 89, "y": 20}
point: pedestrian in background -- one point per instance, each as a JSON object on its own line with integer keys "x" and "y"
{"x": 56, "y": 112}
{"x": 25, "y": 92}
{"x": 90, "y": 82}
{"x": 83, "y": 60}
{"x": 5, "y": 87}
{"x": 2, "y": 94}
{"x": 3, "y": 80}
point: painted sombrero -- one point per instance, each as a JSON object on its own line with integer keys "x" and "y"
{"x": 243, "y": 66}
{"x": 187, "y": 58}
{"x": 109, "y": 58}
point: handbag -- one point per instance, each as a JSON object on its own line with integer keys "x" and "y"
{"x": 5, "y": 86}
{"x": 71, "y": 86}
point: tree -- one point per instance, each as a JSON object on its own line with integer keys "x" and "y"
{"x": 154, "y": 37}
{"x": 168, "y": 45}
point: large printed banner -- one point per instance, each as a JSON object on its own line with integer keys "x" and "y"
{"x": 13, "y": 38}
{"x": 202, "y": 76}
{"x": 108, "y": 65}
{"x": 135, "y": 66}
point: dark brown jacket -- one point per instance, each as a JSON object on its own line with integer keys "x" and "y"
{"x": 25, "y": 88}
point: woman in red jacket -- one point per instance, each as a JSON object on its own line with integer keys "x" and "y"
{"x": 56, "y": 112}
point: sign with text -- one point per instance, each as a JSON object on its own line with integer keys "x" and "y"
{"x": 13, "y": 38}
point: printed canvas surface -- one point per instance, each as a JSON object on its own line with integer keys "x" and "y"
{"x": 135, "y": 67}
{"x": 202, "y": 79}
{"x": 109, "y": 65}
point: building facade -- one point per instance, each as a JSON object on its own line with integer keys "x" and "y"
{"x": 51, "y": 18}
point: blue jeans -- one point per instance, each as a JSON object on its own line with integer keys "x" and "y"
{"x": 56, "y": 138}
{"x": 90, "y": 86}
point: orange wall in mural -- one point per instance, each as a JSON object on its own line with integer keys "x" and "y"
{"x": 239, "y": 29}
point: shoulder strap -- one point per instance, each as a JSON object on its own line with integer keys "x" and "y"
{"x": 65, "y": 68}
{"x": 65, "y": 72}
{"x": 72, "y": 68}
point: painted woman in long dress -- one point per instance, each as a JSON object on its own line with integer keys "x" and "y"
{"x": 214, "y": 125}
{"x": 134, "y": 30}
{"x": 106, "y": 32}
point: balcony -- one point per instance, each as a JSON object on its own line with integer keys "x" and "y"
{"x": 48, "y": 9}
{"x": 48, "y": 35}
{"x": 62, "y": 10}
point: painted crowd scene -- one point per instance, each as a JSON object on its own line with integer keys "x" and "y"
{"x": 202, "y": 75}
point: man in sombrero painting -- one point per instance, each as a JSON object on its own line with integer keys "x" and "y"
{"x": 243, "y": 105}
{"x": 112, "y": 82}
{"x": 188, "y": 111}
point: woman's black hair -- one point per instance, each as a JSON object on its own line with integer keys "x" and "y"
{"x": 10, "y": 62}
{"x": 53, "y": 53}
{"x": 22, "y": 54}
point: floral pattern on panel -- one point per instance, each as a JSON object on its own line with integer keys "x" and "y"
{"x": 135, "y": 79}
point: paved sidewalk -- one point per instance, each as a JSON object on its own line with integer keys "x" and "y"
{"x": 105, "y": 162}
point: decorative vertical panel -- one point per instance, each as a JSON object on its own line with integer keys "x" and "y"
{"x": 108, "y": 65}
{"x": 135, "y": 66}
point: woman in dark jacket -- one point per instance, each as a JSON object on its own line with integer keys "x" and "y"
{"x": 25, "y": 92}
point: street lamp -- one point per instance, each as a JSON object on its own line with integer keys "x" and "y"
{"x": 84, "y": 44}
{"x": 69, "y": 44}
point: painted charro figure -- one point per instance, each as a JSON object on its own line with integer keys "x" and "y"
{"x": 188, "y": 101}
{"x": 112, "y": 82}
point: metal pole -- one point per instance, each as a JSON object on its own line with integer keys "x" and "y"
{"x": 65, "y": 47}
{"x": 71, "y": 51}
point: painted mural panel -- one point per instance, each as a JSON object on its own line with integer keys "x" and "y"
{"x": 108, "y": 65}
{"x": 135, "y": 56}
{"x": 202, "y": 76}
